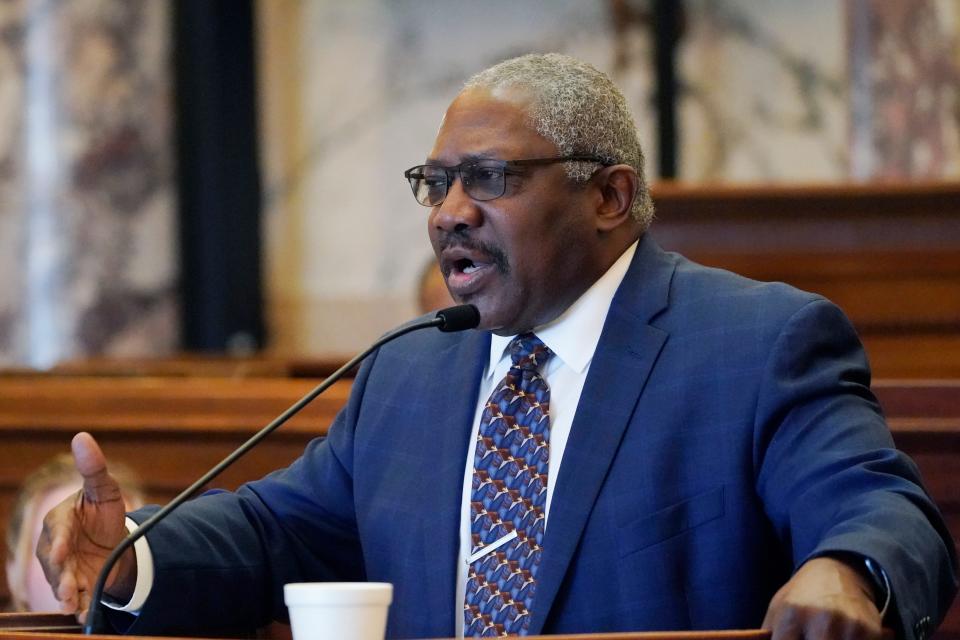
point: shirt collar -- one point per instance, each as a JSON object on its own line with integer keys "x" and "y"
{"x": 574, "y": 335}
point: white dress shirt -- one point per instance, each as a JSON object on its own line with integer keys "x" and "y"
{"x": 573, "y": 338}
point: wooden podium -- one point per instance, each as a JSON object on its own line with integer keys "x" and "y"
{"x": 50, "y": 626}
{"x": 39, "y": 623}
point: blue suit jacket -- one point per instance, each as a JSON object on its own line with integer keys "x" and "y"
{"x": 726, "y": 433}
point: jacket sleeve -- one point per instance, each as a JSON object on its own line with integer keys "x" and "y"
{"x": 829, "y": 475}
{"x": 222, "y": 559}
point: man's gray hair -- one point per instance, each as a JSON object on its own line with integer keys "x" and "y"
{"x": 579, "y": 109}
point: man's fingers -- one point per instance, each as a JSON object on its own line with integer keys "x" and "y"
{"x": 768, "y": 619}
{"x": 55, "y": 542}
{"x": 83, "y": 597}
{"x": 82, "y": 615}
{"x": 98, "y": 486}
{"x": 783, "y": 624}
{"x": 820, "y": 625}
{"x": 66, "y": 592}
{"x": 53, "y": 546}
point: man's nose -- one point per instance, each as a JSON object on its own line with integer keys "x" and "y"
{"x": 458, "y": 211}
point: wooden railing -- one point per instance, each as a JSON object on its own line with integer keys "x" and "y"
{"x": 889, "y": 255}
{"x": 33, "y": 627}
{"x": 171, "y": 429}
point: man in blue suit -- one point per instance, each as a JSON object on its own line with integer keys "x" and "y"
{"x": 631, "y": 442}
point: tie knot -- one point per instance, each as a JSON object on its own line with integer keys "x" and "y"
{"x": 528, "y": 351}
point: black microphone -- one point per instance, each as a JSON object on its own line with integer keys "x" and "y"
{"x": 459, "y": 318}
{"x": 451, "y": 319}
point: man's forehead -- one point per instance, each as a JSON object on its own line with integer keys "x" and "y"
{"x": 484, "y": 104}
{"x": 480, "y": 124}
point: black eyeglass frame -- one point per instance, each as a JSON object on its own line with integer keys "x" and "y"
{"x": 502, "y": 165}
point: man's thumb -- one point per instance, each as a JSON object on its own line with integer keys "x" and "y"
{"x": 98, "y": 486}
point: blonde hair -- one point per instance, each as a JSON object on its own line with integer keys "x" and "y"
{"x": 57, "y": 472}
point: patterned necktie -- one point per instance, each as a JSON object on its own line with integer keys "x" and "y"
{"x": 508, "y": 499}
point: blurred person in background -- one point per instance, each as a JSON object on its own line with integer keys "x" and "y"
{"x": 45, "y": 487}
{"x": 432, "y": 293}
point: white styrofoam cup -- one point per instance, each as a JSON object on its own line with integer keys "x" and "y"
{"x": 341, "y": 610}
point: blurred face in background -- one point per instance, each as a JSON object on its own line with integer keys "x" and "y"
{"x": 24, "y": 573}
{"x": 47, "y": 487}
{"x": 432, "y": 293}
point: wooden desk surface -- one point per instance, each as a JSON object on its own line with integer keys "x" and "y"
{"x": 43, "y": 626}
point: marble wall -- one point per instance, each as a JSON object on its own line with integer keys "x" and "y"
{"x": 87, "y": 215}
{"x": 351, "y": 94}
{"x": 771, "y": 91}
{"x": 825, "y": 91}
{"x": 904, "y": 88}
{"x": 762, "y": 94}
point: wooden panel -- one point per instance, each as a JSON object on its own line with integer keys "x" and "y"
{"x": 912, "y": 402}
{"x": 19, "y": 621}
{"x": 53, "y": 623}
{"x": 879, "y": 291}
{"x": 889, "y": 255}
{"x": 215, "y": 405}
{"x": 924, "y": 416}
{"x": 924, "y": 204}
{"x": 913, "y": 355}
{"x": 170, "y": 430}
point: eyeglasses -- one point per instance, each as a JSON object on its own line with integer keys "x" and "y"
{"x": 481, "y": 179}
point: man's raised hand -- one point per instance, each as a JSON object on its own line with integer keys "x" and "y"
{"x": 80, "y": 532}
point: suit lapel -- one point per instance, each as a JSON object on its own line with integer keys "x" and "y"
{"x": 625, "y": 355}
{"x": 459, "y": 368}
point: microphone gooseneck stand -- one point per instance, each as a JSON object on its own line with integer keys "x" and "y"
{"x": 450, "y": 319}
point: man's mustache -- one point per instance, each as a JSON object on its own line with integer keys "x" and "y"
{"x": 463, "y": 240}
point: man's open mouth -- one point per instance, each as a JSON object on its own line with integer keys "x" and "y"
{"x": 467, "y": 266}
{"x": 467, "y": 274}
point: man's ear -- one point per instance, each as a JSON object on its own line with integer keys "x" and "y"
{"x": 617, "y": 188}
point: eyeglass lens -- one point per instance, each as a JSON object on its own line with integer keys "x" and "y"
{"x": 481, "y": 181}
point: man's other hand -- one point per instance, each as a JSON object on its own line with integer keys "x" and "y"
{"x": 825, "y": 598}
{"x": 80, "y": 532}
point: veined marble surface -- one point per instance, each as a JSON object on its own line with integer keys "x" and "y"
{"x": 763, "y": 91}
{"x": 352, "y": 94}
{"x": 770, "y": 91}
{"x": 87, "y": 226}
{"x": 904, "y": 61}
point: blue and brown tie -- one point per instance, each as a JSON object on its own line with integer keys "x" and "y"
{"x": 509, "y": 496}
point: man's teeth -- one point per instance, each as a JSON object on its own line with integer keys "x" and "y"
{"x": 470, "y": 269}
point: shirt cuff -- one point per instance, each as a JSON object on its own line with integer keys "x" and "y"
{"x": 141, "y": 549}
